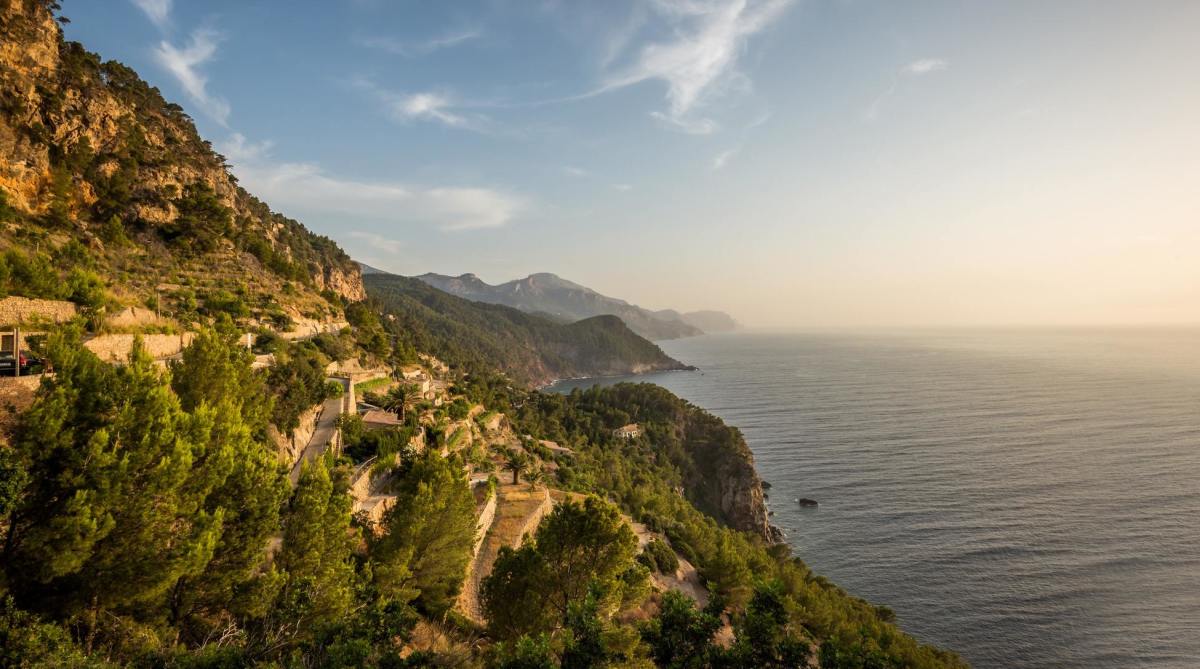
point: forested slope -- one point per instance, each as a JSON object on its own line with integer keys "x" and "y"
{"x": 532, "y": 349}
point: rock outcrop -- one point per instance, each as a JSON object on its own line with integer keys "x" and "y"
{"x": 724, "y": 481}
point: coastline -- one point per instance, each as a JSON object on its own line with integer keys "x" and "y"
{"x": 746, "y": 494}
{"x": 544, "y": 387}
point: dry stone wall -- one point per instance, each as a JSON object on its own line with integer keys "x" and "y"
{"x": 116, "y": 347}
{"x": 20, "y": 310}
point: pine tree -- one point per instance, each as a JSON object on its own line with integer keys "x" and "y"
{"x": 215, "y": 367}
{"x": 115, "y": 510}
{"x": 578, "y": 549}
{"x": 315, "y": 557}
{"x": 681, "y": 636}
{"x": 430, "y": 533}
{"x": 215, "y": 372}
{"x": 584, "y": 542}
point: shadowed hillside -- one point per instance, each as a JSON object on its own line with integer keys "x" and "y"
{"x": 531, "y": 348}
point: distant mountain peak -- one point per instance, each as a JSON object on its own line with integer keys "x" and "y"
{"x": 367, "y": 269}
{"x": 548, "y": 293}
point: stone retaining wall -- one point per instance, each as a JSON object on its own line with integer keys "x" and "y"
{"x": 17, "y": 394}
{"x": 116, "y": 347}
{"x": 535, "y": 518}
{"x": 308, "y": 328}
{"x": 484, "y": 523}
{"x": 18, "y": 310}
{"x": 133, "y": 317}
{"x": 290, "y": 449}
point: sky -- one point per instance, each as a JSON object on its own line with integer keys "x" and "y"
{"x": 794, "y": 163}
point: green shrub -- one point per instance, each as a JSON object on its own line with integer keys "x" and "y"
{"x": 458, "y": 409}
{"x": 7, "y": 213}
{"x": 86, "y": 289}
{"x": 659, "y": 557}
{"x": 31, "y": 275}
{"x": 225, "y": 302}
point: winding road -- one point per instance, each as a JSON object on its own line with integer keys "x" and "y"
{"x": 323, "y": 434}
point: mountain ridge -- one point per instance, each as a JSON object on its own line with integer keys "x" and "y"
{"x": 531, "y": 348}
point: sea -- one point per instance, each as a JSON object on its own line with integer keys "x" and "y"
{"x": 1025, "y": 497}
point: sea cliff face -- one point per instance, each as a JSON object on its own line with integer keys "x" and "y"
{"x": 707, "y": 460}
{"x": 724, "y": 481}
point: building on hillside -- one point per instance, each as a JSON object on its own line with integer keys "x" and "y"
{"x": 434, "y": 364}
{"x": 630, "y": 431}
{"x": 411, "y": 372}
{"x": 378, "y": 419}
{"x": 555, "y": 448}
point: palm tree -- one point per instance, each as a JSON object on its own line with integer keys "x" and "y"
{"x": 401, "y": 399}
{"x": 534, "y": 476}
{"x": 517, "y": 463}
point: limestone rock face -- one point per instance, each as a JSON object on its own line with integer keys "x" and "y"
{"x": 29, "y": 52}
{"x": 720, "y": 478}
{"x": 738, "y": 490}
{"x": 346, "y": 282}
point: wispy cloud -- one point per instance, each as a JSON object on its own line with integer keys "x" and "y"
{"x": 721, "y": 159}
{"x": 184, "y": 63}
{"x": 427, "y": 106}
{"x": 378, "y": 242}
{"x": 239, "y": 151}
{"x": 699, "y": 59}
{"x": 430, "y": 106}
{"x": 623, "y": 187}
{"x": 924, "y": 66}
{"x": 691, "y": 126}
{"x": 158, "y": 11}
{"x": 573, "y": 171}
{"x": 306, "y": 188}
{"x": 696, "y": 55}
{"x": 420, "y": 48}
{"x": 917, "y": 68}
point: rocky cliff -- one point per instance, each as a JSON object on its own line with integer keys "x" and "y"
{"x": 723, "y": 480}
{"x": 90, "y": 151}
{"x": 714, "y": 465}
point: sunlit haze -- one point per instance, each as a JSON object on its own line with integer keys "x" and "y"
{"x": 793, "y": 163}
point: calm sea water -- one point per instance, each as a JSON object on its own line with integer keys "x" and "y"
{"x": 1027, "y": 498}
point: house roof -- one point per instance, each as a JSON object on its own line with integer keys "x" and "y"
{"x": 380, "y": 417}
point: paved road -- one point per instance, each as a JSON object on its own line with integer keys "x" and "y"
{"x": 326, "y": 428}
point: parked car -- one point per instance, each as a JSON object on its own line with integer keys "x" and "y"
{"x": 29, "y": 365}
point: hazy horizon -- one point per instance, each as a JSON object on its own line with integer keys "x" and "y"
{"x": 795, "y": 164}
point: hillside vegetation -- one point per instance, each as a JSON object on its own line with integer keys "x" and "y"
{"x": 103, "y": 182}
{"x": 531, "y": 348}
